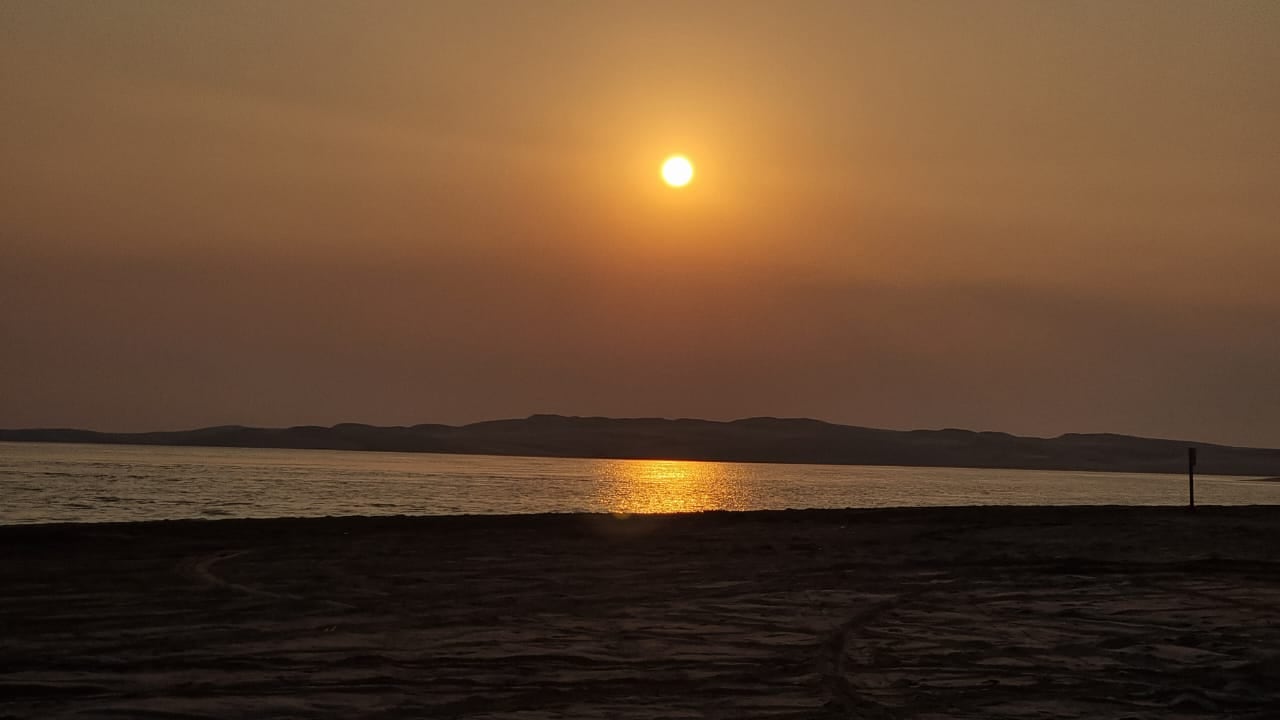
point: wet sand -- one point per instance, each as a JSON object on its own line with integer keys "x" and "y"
{"x": 922, "y": 613}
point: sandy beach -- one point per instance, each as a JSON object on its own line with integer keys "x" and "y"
{"x": 955, "y": 613}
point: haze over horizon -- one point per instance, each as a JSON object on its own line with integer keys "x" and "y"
{"x": 1026, "y": 217}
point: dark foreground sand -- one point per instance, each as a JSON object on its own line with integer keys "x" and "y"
{"x": 967, "y": 613}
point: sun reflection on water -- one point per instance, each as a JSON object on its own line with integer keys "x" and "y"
{"x": 667, "y": 486}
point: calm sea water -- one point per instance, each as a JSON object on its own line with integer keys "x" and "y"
{"x": 100, "y": 483}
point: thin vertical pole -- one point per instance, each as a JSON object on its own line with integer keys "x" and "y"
{"x": 1191, "y": 478}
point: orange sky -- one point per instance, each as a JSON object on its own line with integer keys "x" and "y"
{"x": 1031, "y": 217}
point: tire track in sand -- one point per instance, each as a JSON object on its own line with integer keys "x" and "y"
{"x": 200, "y": 569}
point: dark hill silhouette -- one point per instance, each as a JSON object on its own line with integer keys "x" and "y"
{"x": 760, "y": 439}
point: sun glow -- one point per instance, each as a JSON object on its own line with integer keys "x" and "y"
{"x": 677, "y": 171}
{"x": 666, "y": 486}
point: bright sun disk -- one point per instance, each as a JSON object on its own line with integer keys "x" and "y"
{"x": 677, "y": 171}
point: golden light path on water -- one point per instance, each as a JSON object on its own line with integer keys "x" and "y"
{"x": 664, "y": 486}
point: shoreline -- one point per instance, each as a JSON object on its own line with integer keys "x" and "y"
{"x": 968, "y": 612}
{"x": 777, "y": 515}
{"x": 951, "y": 513}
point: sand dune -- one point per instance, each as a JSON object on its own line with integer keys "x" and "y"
{"x": 762, "y": 439}
{"x": 970, "y": 613}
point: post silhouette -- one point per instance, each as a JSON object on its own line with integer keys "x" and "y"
{"x": 1191, "y": 478}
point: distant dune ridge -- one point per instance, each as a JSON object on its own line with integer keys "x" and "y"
{"x": 762, "y": 439}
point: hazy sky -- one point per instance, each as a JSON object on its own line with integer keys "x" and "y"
{"x": 1025, "y": 216}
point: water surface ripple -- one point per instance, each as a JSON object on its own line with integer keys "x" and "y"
{"x": 45, "y": 482}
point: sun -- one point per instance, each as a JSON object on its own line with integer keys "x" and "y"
{"x": 677, "y": 171}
